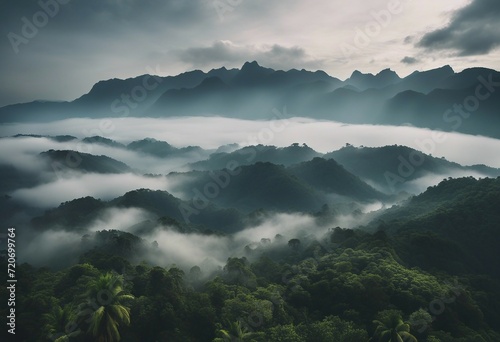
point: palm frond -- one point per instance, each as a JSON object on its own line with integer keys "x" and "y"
{"x": 407, "y": 337}
{"x": 96, "y": 321}
{"x": 403, "y": 327}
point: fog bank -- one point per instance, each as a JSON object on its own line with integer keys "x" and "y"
{"x": 323, "y": 136}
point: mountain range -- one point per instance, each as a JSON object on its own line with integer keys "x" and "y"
{"x": 390, "y": 225}
{"x": 441, "y": 98}
{"x": 381, "y": 170}
{"x": 223, "y": 188}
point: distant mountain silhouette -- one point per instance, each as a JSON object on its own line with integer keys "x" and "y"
{"x": 38, "y": 111}
{"x": 251, "y": 75}
{"x": 446, "y": 109}
{"x": 106, "y": 92}
{"x": 211, "y": 96}
{"x": 425, "y": 81}
{"x": 421, "y": 98}
{"x": 366, "y": 81}
{"x": 224, "y": 74}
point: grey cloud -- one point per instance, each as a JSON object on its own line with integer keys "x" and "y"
{"x": 89, "y": 40}
{"x": 226, "y": 52}
{"x": 81, "y": 25}
{"x": 98, "y": 14}
{"x": 220, "y": 52}
{"x": 409, "y": 60}
{"x": 409, "y": 39}
{"x": 293, "y": 56}
{"x": 473, "y": 30}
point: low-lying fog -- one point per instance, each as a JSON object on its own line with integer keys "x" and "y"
{"x": 58, "y": 248}
{"x": 209, "y": 133}
{"x": 102, "y": 186}
{"x": 187, "y": 250}
{"x": 323, "y": 136}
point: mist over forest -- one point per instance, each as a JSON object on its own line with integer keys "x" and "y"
{"x": 198, "y": 202}
{"x": 250, "y": 171}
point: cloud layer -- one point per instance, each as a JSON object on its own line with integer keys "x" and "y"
{"x": 105, "y": 187}
{"x": 473, "y": 30}
{"x": 323, "y": 136}
{"x": 210, "y": 252}
{"x": 225, "y": 52}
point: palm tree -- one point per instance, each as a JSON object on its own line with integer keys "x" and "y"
{"x": 109, "y": 295}
{"x": 57, "y": 321}
{"x": 391, "y": 328}
{"x": 235, "y": 333}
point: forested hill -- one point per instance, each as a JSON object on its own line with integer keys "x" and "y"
{"x": 82, "y": 162}
{"x": 77, "y": 215}
{"x": 391, "y": 167}
{"x": 454, "y": 226}
{"x": 248, "y": 155}
{"x": 429, "y": 270}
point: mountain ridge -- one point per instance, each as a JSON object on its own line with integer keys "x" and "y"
{"x": 253, "y": 90}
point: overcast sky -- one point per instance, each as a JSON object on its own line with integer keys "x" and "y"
{"x": 58, "y": 52}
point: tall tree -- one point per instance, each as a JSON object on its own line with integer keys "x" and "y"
{"x": 391, "y": 328}
{"x": 235, "y": 333}
{"x": 58, "y": 323}
{"x": 112, "y": 312}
